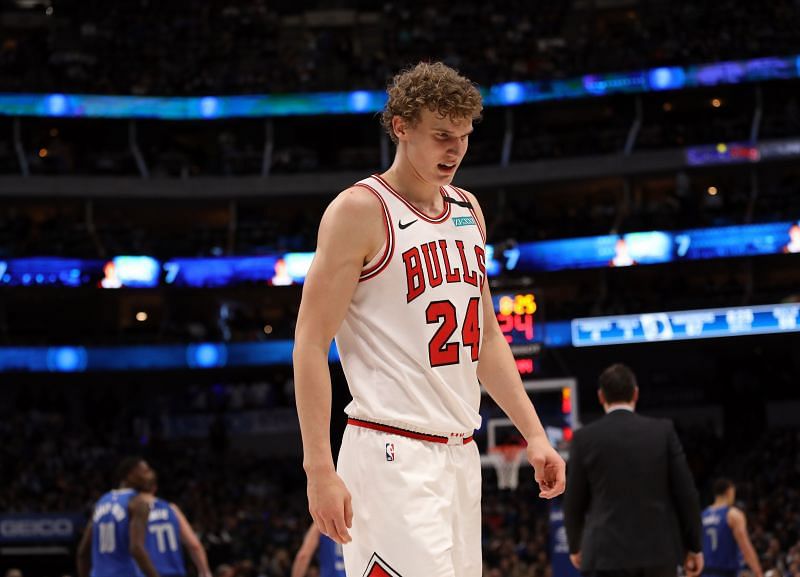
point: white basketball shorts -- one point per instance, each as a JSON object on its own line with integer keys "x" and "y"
{"x": 416, "y": 504}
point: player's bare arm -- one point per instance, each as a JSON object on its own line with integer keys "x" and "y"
{"x": 738, "y": 524}
{"x": 193, "y": 545}
{"x": 497, "y": 372}
{"x": 84, "y": 553}
{"x": 303, "y": 558}
{"x": 351, "y": 232}
{"x": 139, "y": 510}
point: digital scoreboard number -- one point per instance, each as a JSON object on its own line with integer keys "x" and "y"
{"x": 516, "y": 317}
{"x": 515, "y": 313}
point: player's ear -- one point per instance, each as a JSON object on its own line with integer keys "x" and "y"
{"x": 400, "y": 127}
{"x": 601, "y": 397}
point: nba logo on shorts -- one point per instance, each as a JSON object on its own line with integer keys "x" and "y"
{"x": 390, "y": 451}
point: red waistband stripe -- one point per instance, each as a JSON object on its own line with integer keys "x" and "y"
{"x": 406, "y": 433}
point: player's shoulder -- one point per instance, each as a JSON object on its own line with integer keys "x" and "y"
{"x": 353, "y": 225}
{"x": 140, "y": 501}
{"x": 473, "y": 202}
{"x": 358, "y": 196}
{"x": 735, "y": 515}
{"x": 355, "y": 203}
{"x": 466, "y": 194}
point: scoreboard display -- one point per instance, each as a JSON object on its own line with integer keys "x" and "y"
{"x": 516, "y": 315}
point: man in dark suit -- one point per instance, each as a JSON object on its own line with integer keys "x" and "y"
{"x": 631, "y": 508}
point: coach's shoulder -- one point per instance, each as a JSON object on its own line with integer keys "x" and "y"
{"x": 662, "y": 424}
{"x": 586, "y": 431}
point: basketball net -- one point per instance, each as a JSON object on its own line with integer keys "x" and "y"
{"x": 507, "y": 460}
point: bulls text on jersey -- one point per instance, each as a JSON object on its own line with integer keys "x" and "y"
{"x": 429, "y": 266}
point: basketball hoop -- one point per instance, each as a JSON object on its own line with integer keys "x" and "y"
{"x": 507, "y": 460}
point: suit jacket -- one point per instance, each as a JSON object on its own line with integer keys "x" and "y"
{"x": 630, "y": 500}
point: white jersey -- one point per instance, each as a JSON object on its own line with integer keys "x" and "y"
{"x": 410, "y": 340}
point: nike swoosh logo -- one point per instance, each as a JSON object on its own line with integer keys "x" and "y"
{"x": 406, "y": 225}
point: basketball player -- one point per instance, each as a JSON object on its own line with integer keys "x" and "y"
{"x": 725, "y": 535}
{"x": 113, "y": 543}
{"x": 331, "y": 562}
{"x": 399, "y": 278}
{"x": 167, "y": 530}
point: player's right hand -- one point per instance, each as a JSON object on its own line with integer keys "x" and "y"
{"x": 549, "y": 469}
{"x": 330, "y": 505}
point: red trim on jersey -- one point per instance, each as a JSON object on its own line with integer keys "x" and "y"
{"x": 472, "y": 210}
{"x": 442, "y": 217}
{"x": 402, "y": 432}
{"x": 377, "y": 567}
{"x": 377, "y": 571}
{"x": 378, "y": 267}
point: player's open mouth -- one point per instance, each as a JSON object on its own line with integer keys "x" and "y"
{"x": 447, "y": 167}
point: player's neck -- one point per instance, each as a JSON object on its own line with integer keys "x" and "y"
{"x": 720, "y": 503}
{"x": 407, "y": 182}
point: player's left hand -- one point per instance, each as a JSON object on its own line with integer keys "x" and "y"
{"x": 575, "y": 559}
{"x": 548, "y": 466}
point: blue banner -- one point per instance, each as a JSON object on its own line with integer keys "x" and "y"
{"x": 222, "y": 271}
{"x": 76, "y": 359}
{"x": 118, "y": 272}
{"x": 644, "y": 248}
{"x": 277, "y": 269}
{"x": 740, "y": 152}
{"x": 737, "y": 241}
{"x": 38, "y": 271}
{"x": 371, "y": 101}
{"x": 586, "y": 332}
{"x": 682, "y": 325}
{"x": 40, "y": 527}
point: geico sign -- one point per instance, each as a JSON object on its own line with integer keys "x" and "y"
{"x": 17, "y": 528}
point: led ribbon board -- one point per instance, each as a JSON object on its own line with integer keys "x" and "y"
{"x": 682, "y": 325}
{"x": 371, "y": 101}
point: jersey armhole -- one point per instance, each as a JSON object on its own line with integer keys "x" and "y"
{"x": 381, "y": 259}
{"x": 377, "y": 259}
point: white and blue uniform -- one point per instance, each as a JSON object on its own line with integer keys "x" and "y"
{"x": 163, "y": 540}
{"x": 720, "y": 550}
{"x": 409, "y": 346}
{"x": 331, "y": 561}
{"x": 111, "y": 536}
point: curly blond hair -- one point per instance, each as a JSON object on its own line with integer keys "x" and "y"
{"x": 434, "y": 86}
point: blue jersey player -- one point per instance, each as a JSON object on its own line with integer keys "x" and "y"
{"x": 329, "y": 555}
{"x": 725, "y": 539}
{"x": 167, "y": 531}
{"x": 113, "y": 544}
